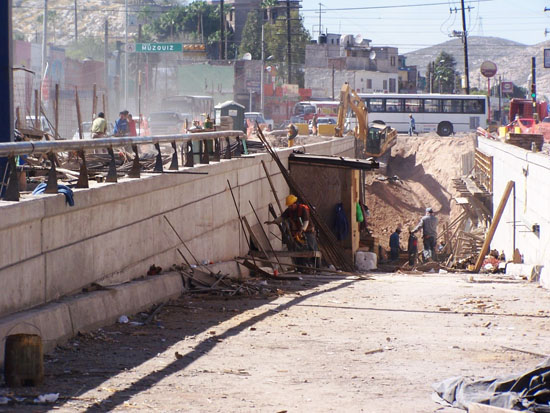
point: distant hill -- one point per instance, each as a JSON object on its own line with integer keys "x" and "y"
{"x": 513, "y": 60}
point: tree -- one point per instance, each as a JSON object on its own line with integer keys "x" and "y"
{"x": 87, "y": 47}
{"x": 445, "y": 74}
{"x": 275, "y": 37}
{"x": 251, "y": 38}
{"x": 198, "y": 21}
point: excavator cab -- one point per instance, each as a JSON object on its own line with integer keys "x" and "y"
{"x": 379, "y": 138}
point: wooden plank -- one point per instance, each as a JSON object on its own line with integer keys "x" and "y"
{"x": 78, "y": 114}
{"x": 285, "y": 254}
{"x": 255, "y": 240}
{"x": 272, "y": 188}
{"x": 494, "y": 225}
{"x": 56, "y": 111}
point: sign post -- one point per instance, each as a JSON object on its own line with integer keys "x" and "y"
{"x": 488, "y": 69}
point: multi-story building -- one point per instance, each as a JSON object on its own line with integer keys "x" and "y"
{"x": 349, "y": 59}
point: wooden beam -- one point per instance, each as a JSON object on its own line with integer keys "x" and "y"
{"x": 272, "y": 188}
{"x": 291, "y": 254}
{"x": 78, "y": 114}
{"x": 494, "y": 225}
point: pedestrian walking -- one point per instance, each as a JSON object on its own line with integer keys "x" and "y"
{"x": 412, "y": 125}
{"x": 428, "y": 224}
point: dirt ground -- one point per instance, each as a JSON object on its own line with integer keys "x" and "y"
{"x": 425, "y": 167}
{"x": 328, "y": 344}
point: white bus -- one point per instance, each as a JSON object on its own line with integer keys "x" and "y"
{"x": 444, "y": 114}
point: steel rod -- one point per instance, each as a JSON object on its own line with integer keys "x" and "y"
{"x": 28, "y": 147}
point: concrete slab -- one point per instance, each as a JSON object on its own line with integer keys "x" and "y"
{"x": 51, "y": 322}
{"x": 20, "y": 242}
{"x": 530, "y": 271}
{"x": 23, "y": 285}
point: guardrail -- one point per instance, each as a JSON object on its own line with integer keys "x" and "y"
{"x": 220, "y": 139}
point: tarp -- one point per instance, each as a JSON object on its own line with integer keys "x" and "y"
{"x": 528, "y": 392}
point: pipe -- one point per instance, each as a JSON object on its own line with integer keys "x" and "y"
{"x": 27, "y": 147}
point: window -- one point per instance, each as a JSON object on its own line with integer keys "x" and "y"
{"x": 413, "y": 105}
{"x": 369, "y": 83}
{"x": 376, "y": 105}
{"x": 392, "y": 60}
{"x": 394, "y": 105}
{"x": 474, "y": 106}
{"x": 393, "y": 85}
{"x": 452, "y": 106}
{"x": 385, "y": 85}
{"x": 431, "y": 105}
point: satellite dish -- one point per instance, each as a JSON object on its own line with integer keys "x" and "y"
{"x": 247, "y": 56}
{"x": 372, "y": 55}
{"x": 268, "y": 68}
{"x": 358, "y": 39}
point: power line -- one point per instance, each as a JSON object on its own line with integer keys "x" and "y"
{"x": 397, "y": 6}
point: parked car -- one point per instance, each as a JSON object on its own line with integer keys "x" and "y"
{"x": 166, "y": 123}
{"x": 87, "y": 131}
{"x": 544, "y": 129}
{"x": 44, "y": 125}
{"x": 321, "y": 121}
{"x": 258, "y": 117}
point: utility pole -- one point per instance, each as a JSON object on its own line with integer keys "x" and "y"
{"x": 534, "y": 86}
{"x": 320, "y": 11}
{"x": 333, "y": 81}
{"x": 222, "y": 30}
{"x": 125, "y": 54}
{"x": 465, "y": 41}
{"x": 6, "y": 100}
{"x": 106, "y": 55}
{"x": 288, "y": 49}
{"x": 75, "y": 21}
{"x": 262, "y": 72}
{"x": 44, "y": 40}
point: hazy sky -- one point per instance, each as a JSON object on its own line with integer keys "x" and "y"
{"x": 414, "y": 24}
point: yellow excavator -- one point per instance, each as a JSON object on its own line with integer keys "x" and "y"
{"x": 376, "y": 140}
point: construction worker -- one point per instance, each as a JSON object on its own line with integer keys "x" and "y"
{"x": 292, "y": 133}
{"x": 395, "y": 248}
{"x": 428, "y": 223}
{"x": 99, "y": 126}
{"x": 302, "y": 230}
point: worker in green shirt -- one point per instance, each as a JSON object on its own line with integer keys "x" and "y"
{"x": 99, "y": 126}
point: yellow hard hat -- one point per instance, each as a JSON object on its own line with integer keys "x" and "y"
{"x": 291, "y": 199}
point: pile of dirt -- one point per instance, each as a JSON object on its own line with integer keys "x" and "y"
{"x": 420, "y": 174}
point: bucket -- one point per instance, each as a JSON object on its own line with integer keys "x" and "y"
{"x": 23, "y": 360}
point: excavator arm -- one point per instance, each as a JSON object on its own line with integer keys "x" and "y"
{"x": 350, "y": 101}
{"x": 378, "y": 139}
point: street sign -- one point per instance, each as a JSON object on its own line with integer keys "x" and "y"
{"x": 158, "y": 47}
{"x": 488, "y": 69}
{"x": 546, "y": 58}
{"x": 507, "y": 87}
{"x": 131, "y": 47}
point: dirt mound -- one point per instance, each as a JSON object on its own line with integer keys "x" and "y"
{"x": 420, "y": 175}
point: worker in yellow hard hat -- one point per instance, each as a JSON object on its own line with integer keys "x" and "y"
{"x": 302, "y": 230}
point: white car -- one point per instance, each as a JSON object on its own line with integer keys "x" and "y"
{"x": 259, "y": 117}
{"x": 87, "y": 131}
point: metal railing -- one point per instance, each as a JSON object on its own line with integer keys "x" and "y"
{"x": 220, "y": 143}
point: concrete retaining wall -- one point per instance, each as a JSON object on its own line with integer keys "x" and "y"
{"x": 116, "y": 231}
{"x": 531, "y": 174}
